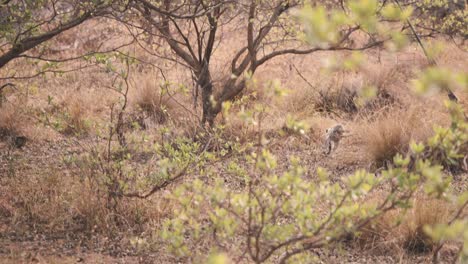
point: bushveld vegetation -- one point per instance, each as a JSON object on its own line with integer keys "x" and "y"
{"x": 192, "y": 131}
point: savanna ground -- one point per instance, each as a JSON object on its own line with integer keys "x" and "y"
{"x": 52, "y": 212}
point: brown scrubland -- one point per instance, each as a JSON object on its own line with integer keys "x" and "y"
{"x": 53, "y": 208}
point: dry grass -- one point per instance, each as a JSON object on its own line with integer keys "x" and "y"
{"x": 300, "y": 101}
{"x": 238, "y": 130}
{"x": 76, "y": 118}
{"x": 391, "y": 133}
{"x": 53, "y": 202}
{"x": 73, "y": 114}
{"x": 339, "y": 94}
{"x": 38, "y": 201}
{"x": 10, "y": 121}
{"x": 330, "y": 95}
{"x": 153, "y": 101}
{"x": 385, "y": 235}
{"x": 387, "y": 81}
{"x": 386, "y": 138}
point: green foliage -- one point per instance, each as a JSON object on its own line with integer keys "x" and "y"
{"x": 296, "y": 126}
{"x": 277, "y": 214}
{"x": 282, "y": 215}
{"x": 435, "y": 79}
{"x": 458, "y": 230}
{"x": 217, "y": 259}
{"x": 449, "y": 146}
{"x": 272, "y": 215}
{"x": 447, "y": 16}
{"x": 327, "y": 28}
{"x": 320, "y": 30}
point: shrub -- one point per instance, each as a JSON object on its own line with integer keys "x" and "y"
{"x": 283, "y": 216}
{"x": 403, "y": 230}
{"x": 76, "y": 118}
{"x": 379, "y": 79}
{"x": 153, "y": 101}
{"x": 387, "y": 137}
{"x": 391, "y": 133}
{"x": 70, "y": 116}
{"x": 10, "y": 122}
{"x": 343, "y": 93}
{"x": 53, "y": 202}
{"x": 425, "y": 212}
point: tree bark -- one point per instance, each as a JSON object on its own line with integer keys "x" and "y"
{"x": 206, "y": 84}
{"x": 31, "y": 42}
{"x": 212, "y": 106}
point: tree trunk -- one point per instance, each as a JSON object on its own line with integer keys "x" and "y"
{"x": 205, "y": 83}
{"x": 209, "y": 113}
{"x": 212, "y": 106}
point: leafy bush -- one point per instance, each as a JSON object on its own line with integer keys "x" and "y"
{"x": 447, "y": 16}
{"x": 281, "y": 218}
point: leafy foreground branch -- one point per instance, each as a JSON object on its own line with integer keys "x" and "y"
{"x": 282, "y": 218}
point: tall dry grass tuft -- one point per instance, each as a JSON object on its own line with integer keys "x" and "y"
{"x": 301, "y": 102}
{"x": 153, "y": 101}
{"x": 400, "y": 232}
{"x": 10, "y": 121}
{"x": 391, "y": 134}
{"x": 382, "y": 78}
{"x": 386, "y": 138}
{"x": 72, "y": 116}
{"x": 76, "y": 118}
{"x": 332, "y": 95}
{"x": 339, "y": 94}
{"x": 425, "y": 212}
